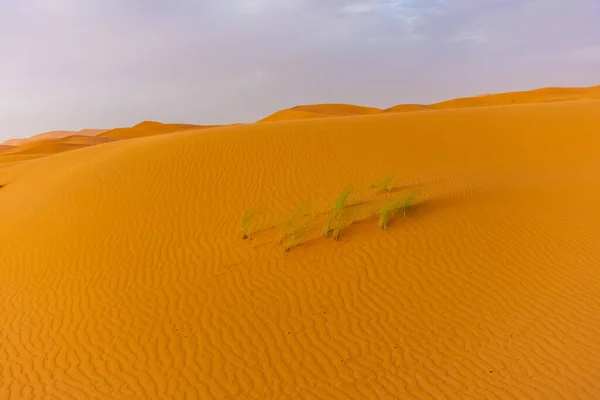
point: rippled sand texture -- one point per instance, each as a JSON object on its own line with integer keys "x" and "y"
{"x": 123, "y": 274}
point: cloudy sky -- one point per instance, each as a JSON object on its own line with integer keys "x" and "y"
{"x": 73, "y": 64}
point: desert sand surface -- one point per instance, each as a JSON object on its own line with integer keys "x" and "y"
{"x": 5, "y": 148}
{"x": 48, "y": 146}
{"x": 124, "y": 275}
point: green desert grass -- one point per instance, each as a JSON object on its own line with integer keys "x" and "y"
{"x": 246, "y": 219}
{"x": 335, "y": 221}
{"x": 390, "y": 208}
{"x": 294, "y": 231}
{"x": 295, "y": 238}
{"x": 386, "y": 185}
{"x": 409, "y": 202}
{"x": 297, "y": 227}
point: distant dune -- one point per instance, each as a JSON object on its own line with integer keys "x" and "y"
{"x": 54, "y": 135}
{"x": 124, "y": 274}
{"x": 407, "y": 108}
{"x": 59, "y": 141}
{"x": 149, "y": 128}
{"x": 84, "y": 140}
{"x": 533, "y": 96}
{"x": 48, "y": 146}
{"x": 5, "y": 148}
{"x": 320, "y": 111}
{"x": 483, "y": 100}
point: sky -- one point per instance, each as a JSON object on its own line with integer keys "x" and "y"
{"x": 74, "y": 64}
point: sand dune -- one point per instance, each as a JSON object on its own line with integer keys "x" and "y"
{"x": 84, "y": 140}
{"x": 320, "y": 111}
{"x": 59, "y": 141}
{"x": 123, "y": 274}
{"x": 148, "y": 128}
{"x": 483, "y": 100}
{"x": 54, "y": 135}
{"x": 510, "y": 98}
{"x": 406, "y": 108}
{"x": 52, "y": 146}
{"x": 313, "y": 111}
{"x": 48, "y": 146}
{"x": 5, "y": 148}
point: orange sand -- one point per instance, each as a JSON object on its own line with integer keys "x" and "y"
{"x": 123, "y": 274}
{"x": 5, "y": 148}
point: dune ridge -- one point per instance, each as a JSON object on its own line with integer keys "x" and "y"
{"x": 149, "y": 128}
{"x": 53, "y": 135}
{"x": 320, "y": 111}
{"x": 52, "y": 146}
{"x": 123, "y": 274}
{"x": 59, "y": 141}
{"x": 309, "y": 111}
{"x": 486, "y": 100}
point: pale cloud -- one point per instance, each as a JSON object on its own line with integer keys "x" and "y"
{"x": 70, "y": 64}
{"x": 476, "y": 36}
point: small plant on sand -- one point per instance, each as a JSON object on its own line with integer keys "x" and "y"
{"x": 293, "y": 232}
{"x": 286, "y": 227}
{"x": 335, "y": 220}
{"x": 386, "y": 185}
{"x": 387, "y": 212}
{"x": 246, "y": 218}
{"x": 409, "y": 202}
{"x": 294, "y": 238}
{"x": 390, "y": 208}
{"x": 337, "y": 233}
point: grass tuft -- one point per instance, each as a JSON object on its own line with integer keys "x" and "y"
{"x": 409, "y": 202}
{"x": 246, "y": 218}
{"x": 335, "y": 220}
{"x": 386, "y": 185}
{"x": 293, "y": 231}
{"x": 294, "y": 238}
{"x": 390, "y": 208}
{"x": 337, "y": 233}
{"x": 327, "y": 227}
{"x": 387, "y": 212}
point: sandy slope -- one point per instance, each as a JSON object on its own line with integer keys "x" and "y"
{"x": 123, "y": 275}
{"x": 5, "y": 148}
{"x": 84, "y": 140}
{"x": 49, "y": 146}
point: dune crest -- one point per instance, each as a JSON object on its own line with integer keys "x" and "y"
{"x": 320, "y": 111}
{"x": 149, "y": 128}
{"x": 483, "y": 100}
{"x": 510, "y": 98}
